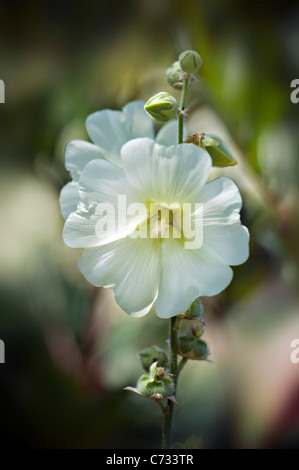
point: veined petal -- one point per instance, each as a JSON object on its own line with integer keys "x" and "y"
{"x": 230, "y": 242}
{"x": 138, "y": 121}
{"x": 168, "y": 134}
{"x": 188, "y": 274}
{"x": 102, "y": 181}
{"x": 221, "y": 202}
{"x": 69, "y": 199}
{"x": 132, "y": 267}
{"x": 110, "y": 129}
{"x": 171, "y": 174}
{"x": 77, "y": 154}
{"x": 102, "y": 217}
{"x": 80, "y": 229}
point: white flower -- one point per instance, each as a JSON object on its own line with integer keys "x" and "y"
{"x": 109, "y": 130}
{"x": 161, "y": 271}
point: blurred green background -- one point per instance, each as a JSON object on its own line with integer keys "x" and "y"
{"x": 69, "y": 349}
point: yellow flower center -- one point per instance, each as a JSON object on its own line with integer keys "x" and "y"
{"x": 164, "y": 220}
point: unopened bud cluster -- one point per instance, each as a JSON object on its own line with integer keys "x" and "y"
{"x": 162, "y": 107}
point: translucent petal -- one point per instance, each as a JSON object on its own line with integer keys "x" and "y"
{"x": 230, "y": 242}
{"x": 100, "y": 220}
{"x": 110, "y": 129}
{"x": 77, "y": 154}
{"x": 188, "y": 274}
{"x": 221, "y": 202}
{"x": 131, "y": 267}
{"x": 173, "y": 174}
{"x": 69, "y": 199}
{"x": 168, "y": 134}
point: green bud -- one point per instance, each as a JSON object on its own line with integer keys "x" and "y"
{"x": 153, "y": 354}
{"x": 156, "y": 383}
{"x": 162, "y": 107}
{"x": 174, "y": 75}
{"x": 191, "y": 346}
{"x": 195, "y": 309}
{"x": 190, "y": 61}
{"x": 218, "y": 150}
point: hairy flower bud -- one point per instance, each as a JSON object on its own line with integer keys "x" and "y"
{"x": 152, "y": 354}
{"x": 156, "y": 383}
{"x": 173, "y": 75}
{"x": 195, "y": 310}
{"x": 191, "y": 346}
{"x": 190, "y": 61}
{"x": 162, "y": 107}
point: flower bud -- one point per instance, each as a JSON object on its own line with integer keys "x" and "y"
{"x": 173, "y": 75}
{"x": 218, "y": 150}
{"x": 162, "y": 107}
{"x": 153, "y": 354}
{"x": 191, "y": 346}
{"x": 156, "y": 383}
{"x": 195, "y": 309}
{"x": 190, "y": 61}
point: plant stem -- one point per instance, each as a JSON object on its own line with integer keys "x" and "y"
{"x": 169, "y": 414}
{"x": 182, "y": 109}
{"x": 169, "y": 411}
{"x": 159, "y": 402}
{"x": 181, "y": 365}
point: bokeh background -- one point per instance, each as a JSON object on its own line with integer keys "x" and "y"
{"x": 69, "y": 348}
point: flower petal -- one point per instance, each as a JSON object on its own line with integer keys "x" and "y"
{"x": 77, "y": 154}
{"x": 173, "y": 174}
{"x": 131, "y": 267}
{"x": 139, "y": 122}
{"x": 188, "y": 274}
{"x": 110, "y": 129}
{"x": 168, "y": 134}
{"x": 69, "y": 199}
{"x": 102, "y": 181}
{"x": 230, "y": 242}
{"x": 99, "y": 219}
{"x": 80, "y": 229}
{"x": 221, "y": 202}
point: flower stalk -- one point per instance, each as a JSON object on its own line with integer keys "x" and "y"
{"x": 183, "y": 109}
{"x": 169, "y": 415}
{"x": 111, "y": 169}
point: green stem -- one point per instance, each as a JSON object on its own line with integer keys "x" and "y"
{"x": 169, "y": 414}
{"x": 182, "y": 109}
{"x": 159, "y": 402}
{"x": 181, "y": 365}
{"x": 169, "y": 411}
